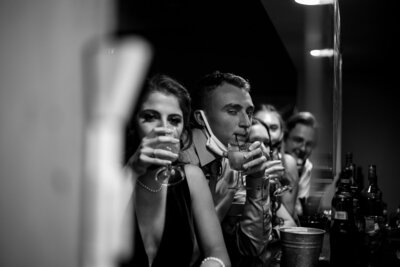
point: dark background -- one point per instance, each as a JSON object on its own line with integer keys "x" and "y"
{"x": 192, "y": 38}
{"x": 370, "y": 44}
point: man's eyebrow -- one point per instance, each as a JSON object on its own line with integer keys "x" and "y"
{"x": 233, "y": 105}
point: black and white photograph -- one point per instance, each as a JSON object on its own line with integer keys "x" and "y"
{"x": 214, "y": 133}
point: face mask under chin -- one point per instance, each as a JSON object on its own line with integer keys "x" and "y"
{"x": 213, "y": 144}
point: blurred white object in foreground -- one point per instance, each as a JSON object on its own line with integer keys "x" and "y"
{"x": 116, "y": 71}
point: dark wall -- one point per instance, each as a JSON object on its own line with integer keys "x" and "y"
{"x": 192, "y": 38}
{"x": 371, "y": 70}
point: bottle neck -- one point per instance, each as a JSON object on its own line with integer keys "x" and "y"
{"x": 373, "y": 181}
{"x": 348, "y": 158}
{"x": 372, "y": 177}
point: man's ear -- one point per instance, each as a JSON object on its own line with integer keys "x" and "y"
{"x": 199, "y": 119}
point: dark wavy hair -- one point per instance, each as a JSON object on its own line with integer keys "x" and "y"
{"x": 169, "y": 86}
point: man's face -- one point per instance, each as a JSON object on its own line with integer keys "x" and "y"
{"x": 229, "y": 113}
{"x": 300, "y": 143}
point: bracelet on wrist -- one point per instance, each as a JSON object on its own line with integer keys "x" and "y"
{"x": 213, "y": 259}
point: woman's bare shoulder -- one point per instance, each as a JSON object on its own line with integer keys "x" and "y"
{"x": 194, "y": 175}
{"x": 192, "y": 169}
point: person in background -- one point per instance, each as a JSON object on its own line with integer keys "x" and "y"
{"x": 223, "y": 108}
{"x": 300, "y": 139}
{"x": 268, "y": 115}
{"x": 270, "y": 118}
{"x": 268, "y": 127}
{"x": 173, "y": 213}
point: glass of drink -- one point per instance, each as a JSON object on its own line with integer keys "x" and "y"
{"x": 281, "y": 183}
{"x": 170, "y": 174}
{"x": 237, "y": 156}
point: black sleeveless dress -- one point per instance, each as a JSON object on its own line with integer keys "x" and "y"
{"x": 178, "y": 240}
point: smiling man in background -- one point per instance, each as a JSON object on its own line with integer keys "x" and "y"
{"x": 300, "y": 140}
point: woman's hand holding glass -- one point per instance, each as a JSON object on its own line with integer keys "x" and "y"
{"x": 273, "y": 168}
{"x": 165, "y": 173}
{"x": 261, "y": 165}
{"x": 167, "y": 144}
{"x": 279, "y": 180}
{"x": 160, "y": 147}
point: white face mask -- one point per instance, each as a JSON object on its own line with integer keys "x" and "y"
{"x": 213, "y": 144}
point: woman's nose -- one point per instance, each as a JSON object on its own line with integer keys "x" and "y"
{"x": 164, "y": 123}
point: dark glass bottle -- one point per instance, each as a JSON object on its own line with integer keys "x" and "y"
{"x": 394, "y": 220}
{"x": 355, "y": 187}
{"x": 351, "y": 167}
{"x": 372, "y": 206}
{"x": 372, "y": 195}
{"x": 351, "y": 170}
{"x": 343, "y": 232}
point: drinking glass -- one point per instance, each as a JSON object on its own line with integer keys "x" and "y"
{"x": 281, "y": 183}
{"x": 170, "y": 173}
{"x": 237, "y": 156}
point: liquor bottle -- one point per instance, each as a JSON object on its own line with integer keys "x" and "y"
{"x": 385, "y": 214}
{"x": 372, "y": 195}
{"x": 351, "y": 169}
{"x": 343, "y": 232}
{"x": 372, "y": 207}
{"x": 355, "y": 187}
{"x": 394, "y": 220}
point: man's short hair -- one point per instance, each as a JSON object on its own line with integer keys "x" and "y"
{"x": 302, "y": 117}
{"x": 213, "y": 80}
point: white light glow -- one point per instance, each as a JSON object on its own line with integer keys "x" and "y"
{"x": 328, "y": 52}
{"x": 314, "y": 2}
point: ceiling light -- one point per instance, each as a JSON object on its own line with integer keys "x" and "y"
{"x": 314, "y": 2}
{"x": 328, "y": 52}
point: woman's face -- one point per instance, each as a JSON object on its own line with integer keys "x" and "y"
{"x": 159, "y": 110}
{"x": 274, "y": 125}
